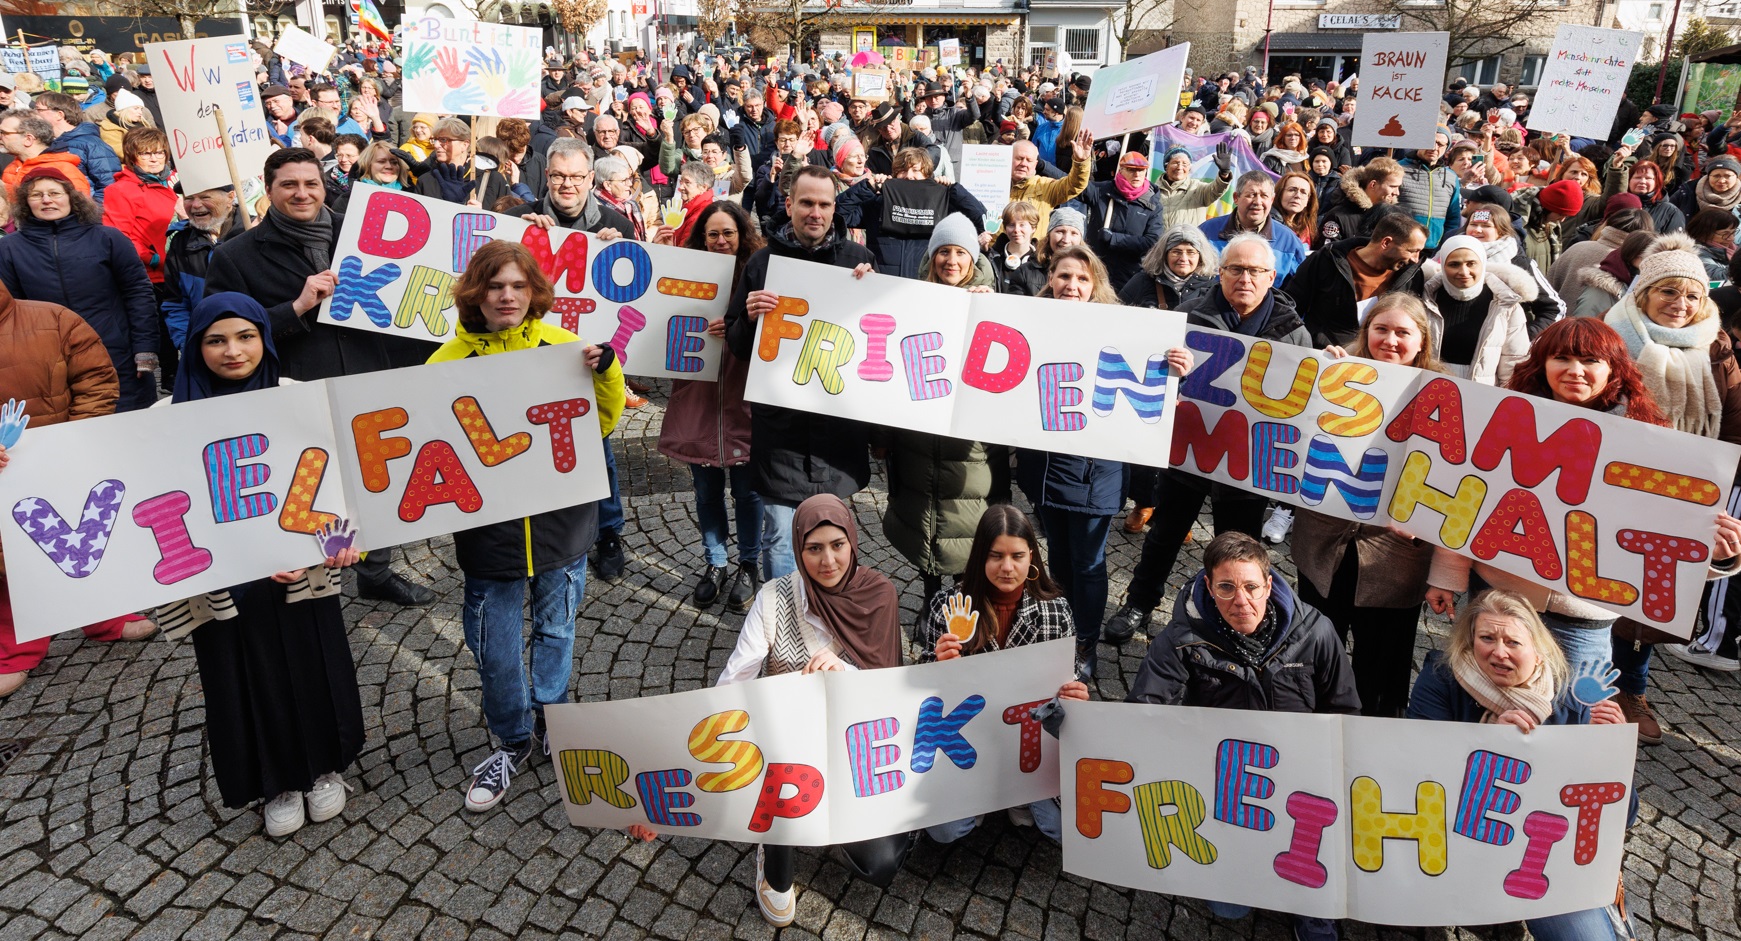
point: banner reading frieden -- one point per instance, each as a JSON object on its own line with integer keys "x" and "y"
{"x": 400, "y": 254}
{"x": 1592, "y": 505}
{"x": 817, "y": 759}
{"x": 1389, "y": 821}
{"x": 1052, "y": 375}
{"x": 112, "y": 515}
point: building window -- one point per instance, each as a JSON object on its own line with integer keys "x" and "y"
{"x": 1046, "y": 35}
{"x": 1532, "y": 70}
{"x": 1483, "y": 72}
{"x": 1082, "y": 44}
{"x": 1655, "y": 11}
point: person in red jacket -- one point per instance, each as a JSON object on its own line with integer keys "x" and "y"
{"x": 141, "y": 205}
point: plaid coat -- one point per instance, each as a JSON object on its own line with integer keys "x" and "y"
{"x": 1036, "y": 622}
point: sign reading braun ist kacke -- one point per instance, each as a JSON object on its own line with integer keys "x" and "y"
{"x": 1400, "y": 75}
{"x": 399, "y": 256}
{"x": 1584, "y": 81}
{"x": 1592, "y": 505}
{"x": 234, "y": 488}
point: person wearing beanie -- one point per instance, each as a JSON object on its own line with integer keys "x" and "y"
{"x": 126, "y": 112}
{"x": 1064, "y": 228}
{"x": 1688, "y": 364}
{"x": 1718, "y": 188}
{"x": 952, "y": 252}
{"x": 1475, "y": 307}
{"x": 1185, "y": 200}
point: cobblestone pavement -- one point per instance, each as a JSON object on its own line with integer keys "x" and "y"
{"x": 110, "y": 826}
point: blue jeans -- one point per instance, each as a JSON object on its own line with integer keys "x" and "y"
{"x": 1306, "y": 928}
{"x": 1588, "y": 925}
{"x": 1076, "y": 546}
{"x": 1582, "y": 641}
{"x": 1634, "y": 666}
{"x": 778, "y": 558}
{"x": 1048, "y": 819}
{"x": 495, "y": 631}
{"x": 610, "y": 509}
{"x": 710, "y": 514}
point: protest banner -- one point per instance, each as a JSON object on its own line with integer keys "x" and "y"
{"x": 1389, "y": 821}
{"x": 1051, "y": 375}
{"x": 399, "y": 255}
{"x": 195, "y": 77}
{"x": 948, "y": 52}
{"x": 1201, "y": 150}
{"x": 870, "y": 84}
{"x": 1584, "y": 81}
{"x": 1136, "y": 95}
{"x": 42, "y": 60}
{"x": 295, "y": 44}
{"x": 817, "y": 759}
{"x": 1400, "y": 76}
{"x": 472, "y": 67}
{"x": 984, "y": 171}
{"x": 122, "y": 513}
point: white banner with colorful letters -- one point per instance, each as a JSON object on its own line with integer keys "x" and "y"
{"x": 400, "y": 254}
{"x": 1389, "y": 821}
{"x": 112, "y": 515}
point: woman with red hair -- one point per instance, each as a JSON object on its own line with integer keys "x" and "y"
{"x": 1583, "y": 362}
{"x": 1644, "y": 179}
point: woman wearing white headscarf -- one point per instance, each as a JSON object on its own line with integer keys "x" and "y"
{"x": 1476, "y": 309}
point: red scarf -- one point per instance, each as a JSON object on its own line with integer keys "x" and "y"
{"x": 692, "y": 212}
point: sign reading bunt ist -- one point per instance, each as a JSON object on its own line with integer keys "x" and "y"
{"x": 400, "y": 254}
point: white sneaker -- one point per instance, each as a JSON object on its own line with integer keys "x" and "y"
{"x": 326, "y": 799}
{"x": 1021, "y": 816}
{"x": 284, "y": 814}
{"x": 1279, "y": 524}
{"x": 1710, "y": 661}
{"x": 778, "y": 908}
{"x": 490, "y": 780}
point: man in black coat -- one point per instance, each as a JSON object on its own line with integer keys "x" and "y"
{"x": 1333, "y": 285}
{"x": 285, "y": 263}
{"x": 796, "y": 455}
{"x": 568, "y": 199}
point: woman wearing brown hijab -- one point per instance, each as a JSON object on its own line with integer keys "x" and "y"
{"x": 830, "y": 614}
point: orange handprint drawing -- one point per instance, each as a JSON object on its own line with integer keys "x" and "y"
{"x": 963, "y": 620}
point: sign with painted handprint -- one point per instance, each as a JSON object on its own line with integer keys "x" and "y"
{"x": 470, "y": 67}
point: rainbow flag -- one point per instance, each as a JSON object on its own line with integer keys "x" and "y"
{"x": 369, "y": 18}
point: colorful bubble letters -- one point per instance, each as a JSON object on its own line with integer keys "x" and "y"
{"x": 130, "y": 511}
{"x": 400, "y": 255}
{"x": 819, "y": 759}
{"x": 1387, "y": 821}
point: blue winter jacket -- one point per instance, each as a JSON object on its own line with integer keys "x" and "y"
{"x": 1438, "y": 695}
{"x": 1290, "y": 251}
{"x": 1071, "y": 482}
{"x": 96, "y": 158}
{"x": 91, "y": 269}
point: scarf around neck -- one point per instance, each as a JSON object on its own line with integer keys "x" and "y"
{"x": 1251, "y": 325}
{"x": 861, "y": 611}
{"x": 314, "y": 237}
{"x": 1134, "y": 189}
{"x": 1535, "y": 697}
{"x": 1676, "y": 364}
{"x": 1712, "y": 200}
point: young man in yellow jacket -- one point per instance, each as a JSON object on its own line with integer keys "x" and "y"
{"x": 501, "y": 301}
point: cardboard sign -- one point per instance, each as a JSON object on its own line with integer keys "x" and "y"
{"x": 1389, "y": 821}
{"x": 864, "y": 753}
{"x": 295, "y": 44}
{"x": 193, "y": 77}
{"x": 1136, "y": 95}
{"x": 870, "y": 84}
{"x": 1045, "y": 374}
{"x": 122, "y": 513}
{"x": 1400, "y": 77}
{"x": 1584, "y": 81}
{"x": 470, "y": 67}
{"x": 948, "y": 52}
{"x": 984, "y": 170}
{"x": 399, "y": 255}
{"x": 43, "y": 60}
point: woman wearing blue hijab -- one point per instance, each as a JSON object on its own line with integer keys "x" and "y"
{"x": 283, "y": 715}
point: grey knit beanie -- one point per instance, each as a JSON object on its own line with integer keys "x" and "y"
{"x": 955, "y": 229}
{"x": 1067, "y": 217}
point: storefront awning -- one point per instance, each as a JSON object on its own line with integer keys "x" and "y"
{"x": 933, "y": 19}
{"x": 1348, "y": 41}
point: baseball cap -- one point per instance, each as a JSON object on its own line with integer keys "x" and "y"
{"x": 575, "y": 103}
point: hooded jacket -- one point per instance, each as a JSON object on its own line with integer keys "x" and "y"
{"x": 1599, "y": 289}
{"x": 96, "y": 159}
{"x": 1305, "y": 669}
{"x": 1573, "y": 259}
{"x": 1323, "y": 292}
{"x": 1148, "y": 287}
{"x": 1434, "y": 196}
{"x": 1504, "y": 338}
{"x": 795, "y": 455}
{"x": 553, "y": 539}
{"x": 1348, "y": 213}
{"x": 91, "y": 269}
{"x": 1136, "y": 225}
{"x": 1187, "y": 201}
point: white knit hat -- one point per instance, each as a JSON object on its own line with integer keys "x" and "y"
{"x": 1671, "y": 256}
{"x": 125, "y": 99}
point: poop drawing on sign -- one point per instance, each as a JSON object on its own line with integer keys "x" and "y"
{"x": 1392, "y": 128}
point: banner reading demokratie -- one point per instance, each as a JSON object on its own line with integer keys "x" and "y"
{"x": 400, "y": 254}
{"x": 1389, "y": 821}
{"x": 122, "y": 513}
{"x": 1592, "y": 505}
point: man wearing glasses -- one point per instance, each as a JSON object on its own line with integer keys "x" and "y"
{"x": 26, "y": 136}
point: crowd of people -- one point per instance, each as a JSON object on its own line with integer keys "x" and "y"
{"x": 1596, "y": 273}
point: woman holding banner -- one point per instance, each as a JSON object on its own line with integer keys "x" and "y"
{"x": 283, "y": 715}
{"x": 1502, "y": 665}
{"x": 833, "y": 613}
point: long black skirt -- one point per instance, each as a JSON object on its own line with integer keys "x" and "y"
{"x": 282, "y": 707}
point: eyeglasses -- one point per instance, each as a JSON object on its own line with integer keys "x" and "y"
{"x": 1227, "y": 591}
{"x": 1676, "y": 296}
{"x": 1238, "y": 272}
{"x": 441, "y": 141}
{"x": 559, "y": 179}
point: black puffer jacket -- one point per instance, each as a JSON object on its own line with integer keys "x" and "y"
{"x": 796, "y": 455}
{"x": 1305, "y": 669}
{"x": 1323, "y": 292}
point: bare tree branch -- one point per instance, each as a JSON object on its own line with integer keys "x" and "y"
{"x": 1140, "y": 19}
{"x": 779, "y": 24}
{"x": 1479, "y": 28}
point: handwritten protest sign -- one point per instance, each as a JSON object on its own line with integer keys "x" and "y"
{"x": 870, "y": 84}
{"x": 471, "y": 67}
{"x": 1400, "y": 75}
{"x": 43, "y": 60}
{"x": 399, "y": 255}
{"x": 194, "y": 76}
{"x": 1389, "y": 821}
{"x": 122, "y": 513}
{"x": 1052, "y": 375}
{"x": 1584, "y": 81}
{"x": 948, "y": 52}
{"x": 817, "y": 759}
{"x": 984, "y": 171}
{"x": 1136, "y": 95}
{"x": 295, "y": 44}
